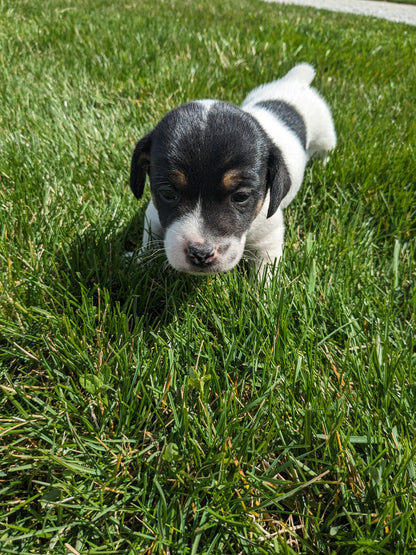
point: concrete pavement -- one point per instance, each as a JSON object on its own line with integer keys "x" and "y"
{"x": 402, "y": 13}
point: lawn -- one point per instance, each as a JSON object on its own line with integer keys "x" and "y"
{"x": 143, "y": 411}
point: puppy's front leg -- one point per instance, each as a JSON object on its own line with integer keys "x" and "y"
{"x": 152, "y": 232}
{"x": 265, "y": 241}
{"x": 266, "y": 262}
{"x": 152, "y": 228}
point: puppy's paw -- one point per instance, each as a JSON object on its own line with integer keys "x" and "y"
{"x": 132, "y": 257}
{"x": 265, "y": 270}
{"x": 127, "y": 257}
{"x": 325, "y": 158}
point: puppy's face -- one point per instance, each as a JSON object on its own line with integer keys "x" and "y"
{"x": 210, "y": 168}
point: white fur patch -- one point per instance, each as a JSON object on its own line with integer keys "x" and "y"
{"x": 294, "y": 89}
{"x": 289, "y": 145}
{"x": 187, "y": 229}
{"x": 191, "y": 229}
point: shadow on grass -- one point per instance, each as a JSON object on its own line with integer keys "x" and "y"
{"x": 96, "y": 262}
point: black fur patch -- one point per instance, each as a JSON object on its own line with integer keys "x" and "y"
{"x": 289, "y": 115}
{"x": 203, "y": 145}
{"x": 190, "y": 151}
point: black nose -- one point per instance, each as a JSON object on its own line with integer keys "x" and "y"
{"x": 200, "y": 254}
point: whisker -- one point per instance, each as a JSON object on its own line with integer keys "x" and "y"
{"x": 151, "y": 256}
{"x": 165, "y": 265}
{"x": 251, "y": 254}
{"x": 154, "y": 243}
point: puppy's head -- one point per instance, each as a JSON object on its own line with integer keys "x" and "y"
{"x": 210, "y": 166}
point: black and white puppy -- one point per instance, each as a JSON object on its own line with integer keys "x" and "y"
{"x": 220, "y": 175}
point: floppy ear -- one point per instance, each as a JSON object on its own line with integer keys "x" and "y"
{"x": 278, "y": 179}
{"x": 140, "y": 165}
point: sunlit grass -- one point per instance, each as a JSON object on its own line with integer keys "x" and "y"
{"x": 143, "y": 411}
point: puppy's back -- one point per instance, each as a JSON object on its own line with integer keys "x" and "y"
{"x": 294, "y": 89}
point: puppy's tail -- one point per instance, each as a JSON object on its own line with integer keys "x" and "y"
{"x": 303, "y": 73}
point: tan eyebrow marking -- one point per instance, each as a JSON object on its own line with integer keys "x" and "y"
{"x": 259, "y": 206}
{"x": 180, "y": 178}
{"x": 231, "y": 178}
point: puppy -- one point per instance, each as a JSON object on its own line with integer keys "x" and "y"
{"x": 220, "y": 175}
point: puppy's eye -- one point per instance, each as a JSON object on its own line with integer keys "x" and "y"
{"x": 240, "y": 197}
{"x": 168, "y": 194}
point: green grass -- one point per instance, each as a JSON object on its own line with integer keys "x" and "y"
{"x": 143, "y": 411}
